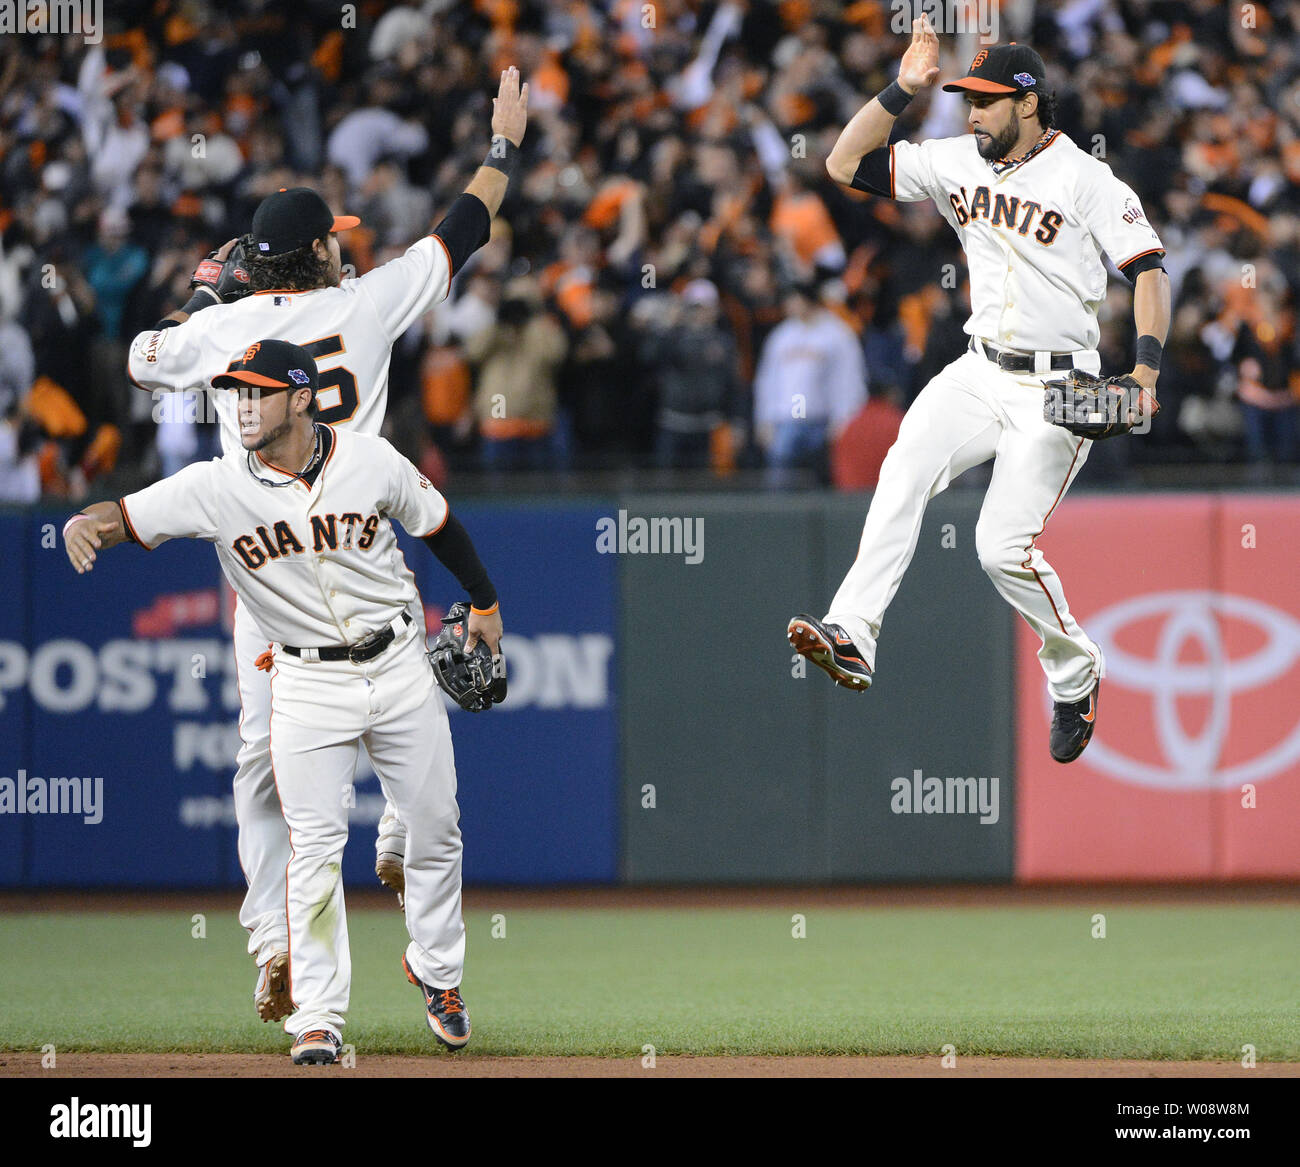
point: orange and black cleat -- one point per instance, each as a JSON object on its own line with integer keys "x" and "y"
{"x": 831, "y": 649}
{"x": 316, "y": 1047}
{"x": 445, "y": 1011}
{"x": 1072, "y": 725}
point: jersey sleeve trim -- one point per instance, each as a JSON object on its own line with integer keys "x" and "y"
{"x": 451, "y": 271}
{"x": 130, "y": 527}
{"x": 1158, "y": 251}
{"x": 445, "y": 516}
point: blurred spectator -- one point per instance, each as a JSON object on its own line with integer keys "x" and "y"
{"x": 694, "y": 362}
{"x": 515, "y": 396}
{"x": 20, "y": 478}
{"x": 1269, "y": 404}
{"x": 395, "y": 210}
{"x": 114, "y": 268}
{"x": 811, "y": 380}
{"x": 372, "y": 132}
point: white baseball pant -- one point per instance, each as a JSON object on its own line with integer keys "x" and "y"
{"x": 321, "y": 714}
{"x": 970, "y": 412}
{"x": 263, "y": 840}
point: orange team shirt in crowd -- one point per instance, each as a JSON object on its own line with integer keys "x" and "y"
{"x": 804, "y": 220}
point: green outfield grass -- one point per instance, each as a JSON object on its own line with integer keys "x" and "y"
{"x": 1169, "y": 982}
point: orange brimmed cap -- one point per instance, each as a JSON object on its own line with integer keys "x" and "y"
{"x": 1004, "y": 69}
{"x": 270, "y": 364}
{"x": 290, "y": 219}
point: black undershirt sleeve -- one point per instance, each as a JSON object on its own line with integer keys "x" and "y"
{"x": 455, "y": 551}
{"x": 464, "y": 229}
{"x": 873, "y": 173}
{"x": 1131, "y": 271}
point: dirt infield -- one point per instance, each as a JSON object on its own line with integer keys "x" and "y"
{"x": 28, "y": 1065}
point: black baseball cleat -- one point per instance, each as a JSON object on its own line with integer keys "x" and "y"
{"x": 316, "y": 1047}
{"x": 1072, "y": 725}
{"x": 830, "y": 648}
{"x": 445, "y": 1011}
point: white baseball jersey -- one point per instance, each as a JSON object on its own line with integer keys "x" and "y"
{"x": 316, "y": 565}
{"x": 350, "y": 331}
{"x": 1033, "y": 229}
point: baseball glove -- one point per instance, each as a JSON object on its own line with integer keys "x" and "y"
{"x": 473, "y": 678}
{"x": 1098, "y": 407}
{"x": 227, "y": 280}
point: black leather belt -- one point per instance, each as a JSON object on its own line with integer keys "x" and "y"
{"x": 1020, "y": 362}
{"x": 363, "y": 650}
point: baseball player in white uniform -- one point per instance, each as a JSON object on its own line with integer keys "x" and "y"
{"x": 300, "y": 515}
{"x": 1034, "y": 214}
{"x": 284, "y": 281}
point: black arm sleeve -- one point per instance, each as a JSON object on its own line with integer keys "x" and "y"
{"x": 1149, "y": 262}
{"x": 873, "y": 173}
{"x": 455, "y": 551}
{"x": 464, "y": 230}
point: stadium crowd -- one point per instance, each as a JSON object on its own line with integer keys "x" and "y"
{"x": 672, "y": 248}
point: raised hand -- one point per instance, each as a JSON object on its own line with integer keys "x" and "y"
{"x": 510, "y": 107}
{"x": 920, "y": 65}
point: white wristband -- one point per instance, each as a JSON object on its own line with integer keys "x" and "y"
{"x": 78, "y": 515}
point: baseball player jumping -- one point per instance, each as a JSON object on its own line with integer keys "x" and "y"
{"x": 284, "y": 280}
{"x": 300, "y": 514}
{"x": 1034, "y": 214}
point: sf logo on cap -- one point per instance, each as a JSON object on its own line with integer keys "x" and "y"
{"x": 250, "y": 352}
{"x": 980, "y": 58}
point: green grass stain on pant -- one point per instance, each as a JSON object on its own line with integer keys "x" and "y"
{"x": 324, "y": 915}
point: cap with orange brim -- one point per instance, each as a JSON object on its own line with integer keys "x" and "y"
{"x": 293, "y": 218}
{"x": 1010, "y": 70}
{"x": 270, "y": 364}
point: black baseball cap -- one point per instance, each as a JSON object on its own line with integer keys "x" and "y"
{"x": 292, "y": 218}
{"x": 1004, "y": 69}
{"x": 270, "y": 364}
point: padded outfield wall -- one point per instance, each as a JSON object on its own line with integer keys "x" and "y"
{"x": 659, "y": 728}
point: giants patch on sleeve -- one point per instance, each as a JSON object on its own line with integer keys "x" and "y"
{"x": 1133, "y": 213}
{"x": 149, "y": 345}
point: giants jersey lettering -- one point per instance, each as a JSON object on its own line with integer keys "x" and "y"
{"x": 315, "y": 565}
{"x": 1034, "y": 230}
{"x": 350, "y": 331}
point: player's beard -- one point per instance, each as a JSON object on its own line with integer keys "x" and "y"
{"x": 274, "y": 436}
{"x": 998, "y": 146}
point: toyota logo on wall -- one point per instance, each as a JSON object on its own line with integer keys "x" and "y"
{"x": 1202, "y": 758}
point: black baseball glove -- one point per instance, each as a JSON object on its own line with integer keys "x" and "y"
{"x": 1098, "y": 407}
{"x": 226, "y": 280}
{"x": 473, "y": 678}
